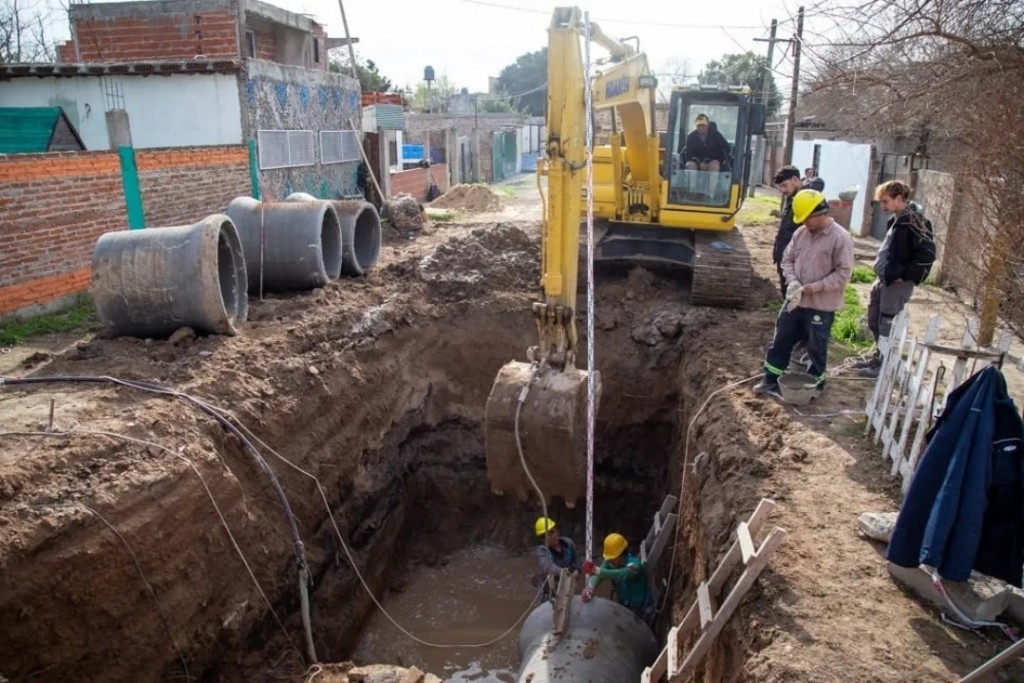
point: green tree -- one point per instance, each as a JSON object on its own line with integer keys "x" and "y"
{"x": 496, "y": 105}
{"x": 523, "y": 82}
{"x": 370, "y": 78}
{"x": 743, "y": 69}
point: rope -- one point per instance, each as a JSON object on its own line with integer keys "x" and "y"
{"x": 519, "y": 442}
{"x": 591, "y": 385}
{"x": 300, "y": 553}
{"x": 682, "y": 482}
{"x": 74, "y": 430}
{"x": 355, "y": 567}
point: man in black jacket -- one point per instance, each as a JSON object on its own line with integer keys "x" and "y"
{"x": 904, "y": 260}
{"x": 706, "y": 149}
{"x": 787, "y": 181}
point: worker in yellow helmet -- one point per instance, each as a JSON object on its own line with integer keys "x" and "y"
{"x": 817, "y": 264}
{"x": 555, "y": 553}
{"x": 627, "y": 574}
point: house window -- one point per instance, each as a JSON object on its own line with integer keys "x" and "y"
{"x": 337, "y": 146}
{"x": 316, "y": 50}
{"x": 285, "y": 148}
{"x": 250, "y": 44}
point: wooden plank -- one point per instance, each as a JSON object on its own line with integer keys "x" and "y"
{"x": 890, "y": 373}
{"x": 704, "y": 604}
{"x": 563, "y": 597}
{"x": 905, "y": 372}
{"x": 662, "y": 540}
{"x": 726, "y": 566}
{"x": 879, "y": 393}
{"x": 913, "y": 397}
{"x": 764, "y": 554}
{"x": 999, "y": 661}
{"x": 746, "y": 542}
{"x": 672, "y": 647}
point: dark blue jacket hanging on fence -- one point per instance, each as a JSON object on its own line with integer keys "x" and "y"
{"x": 965, "y": 506}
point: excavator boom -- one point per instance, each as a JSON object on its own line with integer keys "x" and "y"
{"x": 535, "y": 418}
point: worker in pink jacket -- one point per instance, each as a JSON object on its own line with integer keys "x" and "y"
{"x": 817, "y": 265}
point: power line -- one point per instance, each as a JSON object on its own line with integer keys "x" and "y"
{"x": 633, "y": 22}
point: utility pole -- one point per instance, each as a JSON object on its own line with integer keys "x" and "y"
{"x": 757, "y": 173}
{"x": 794, "y": 93}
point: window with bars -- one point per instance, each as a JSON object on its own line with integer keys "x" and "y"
{"x": 285, "y": 148}
{"x": 337, "y": 146}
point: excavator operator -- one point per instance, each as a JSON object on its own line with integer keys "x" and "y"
{"x": 706, "y": 149}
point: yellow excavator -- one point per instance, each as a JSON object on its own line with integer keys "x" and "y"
{"x": 657, "y": 199}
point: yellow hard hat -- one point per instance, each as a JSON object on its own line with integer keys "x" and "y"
{"x": 807, "y": 203}
{"x": 543, "y": 525}
{"x": 614, "y": 545}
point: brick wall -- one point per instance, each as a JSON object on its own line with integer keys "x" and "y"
{"x": 266, "y": 45}
{"x": 183, "y": 185}
{"x": 414, "y": 181}
{"x": 54, "y": 207}
{"x": 164, "y": 35}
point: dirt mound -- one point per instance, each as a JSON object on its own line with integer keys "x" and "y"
{"x": 405, "y": 213}
{"x": 473, "y": 198}
{"x": 499, "y": 258}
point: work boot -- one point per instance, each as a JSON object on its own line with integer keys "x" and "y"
{"x": 870, "y": 371}
{"x": 869, "y": 362}
{"x": 766, "y": 387}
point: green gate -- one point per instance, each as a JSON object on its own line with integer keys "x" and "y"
{"x": 504, "y": 155}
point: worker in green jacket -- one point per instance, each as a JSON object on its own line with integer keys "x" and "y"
{"x": 628, "y": 576}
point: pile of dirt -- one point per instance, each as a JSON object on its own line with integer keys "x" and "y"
{"x": 405, "y": 213}
{"x": 471, "y": 198}
{"x": 499, "y": 258}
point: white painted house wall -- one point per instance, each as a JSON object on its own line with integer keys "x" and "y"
{"x": 176, "y": 110}
{"x": 841, "y": 165}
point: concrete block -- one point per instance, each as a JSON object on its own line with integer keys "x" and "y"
{"x": 877, "y": 525}
{"x": 981, "y": 598}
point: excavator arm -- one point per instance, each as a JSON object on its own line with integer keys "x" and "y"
{"x": 535, "y": 418}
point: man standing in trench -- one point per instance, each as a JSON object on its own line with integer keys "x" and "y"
{"x": 554, "y": 554}
{"x": 904, "y": 260}
{"x": 817, "y": 264}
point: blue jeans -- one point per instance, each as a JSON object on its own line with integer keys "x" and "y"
{"x": 812, "y": 327}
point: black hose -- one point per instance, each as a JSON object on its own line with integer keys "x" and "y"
{"x": 300, "y": 554}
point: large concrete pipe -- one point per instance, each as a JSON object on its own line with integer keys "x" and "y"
{"x": 287, "y": 245}
{"x": 360, "y": 232}
{"x": 149, "y": 283}
{"x": 603, "y": 643}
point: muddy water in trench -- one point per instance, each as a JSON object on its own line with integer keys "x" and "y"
{"x": 475, "y": 597}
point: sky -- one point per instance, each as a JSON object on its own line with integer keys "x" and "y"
{"x": 470, "y": 40}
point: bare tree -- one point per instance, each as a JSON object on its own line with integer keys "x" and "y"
{"x": 26, "y": 31}
{"x": 948, "y": 77}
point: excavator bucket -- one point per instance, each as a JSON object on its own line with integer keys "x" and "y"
{"x": 552, "y": 432}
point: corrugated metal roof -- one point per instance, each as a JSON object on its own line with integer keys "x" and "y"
{"x": 383, "y": 117}
{"x": 27, "y": 129}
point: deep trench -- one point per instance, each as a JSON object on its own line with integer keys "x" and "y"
{"x": 432, "y": 496}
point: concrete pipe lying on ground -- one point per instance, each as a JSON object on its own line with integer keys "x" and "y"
{"x": 301, "y": 243}
{"x": 604, "y": 641}
{"x": 149, "y": 283}
{"x": 360, "y": 232}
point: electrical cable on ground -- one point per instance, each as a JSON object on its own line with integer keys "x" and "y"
{"x": 300, "y": 554}
{"x": 75, "y": 430}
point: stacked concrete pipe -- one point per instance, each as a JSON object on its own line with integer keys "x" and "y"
{"x": 149, "y": 283}
{"x": 603, "y": 641}
{"x": 287, "y": 245}
{"x": 360, "y": 232}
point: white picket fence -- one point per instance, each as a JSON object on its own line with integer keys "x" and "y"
{"x": 913, "y": 384}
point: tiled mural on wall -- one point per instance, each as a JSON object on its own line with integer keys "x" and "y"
{"x": 292, "y": 98}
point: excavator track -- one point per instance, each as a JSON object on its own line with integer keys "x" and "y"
{"x": 722, "y": 273}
